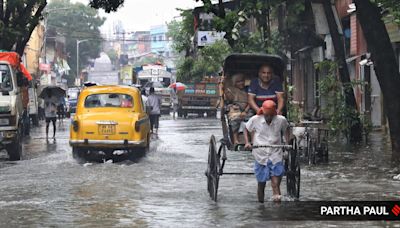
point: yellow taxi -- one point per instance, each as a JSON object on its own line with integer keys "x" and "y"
{"x": 109, "y": 118}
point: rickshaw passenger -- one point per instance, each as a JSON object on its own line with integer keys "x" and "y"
{"x": 265, "y": 87}
{"x": 238, "y": 107}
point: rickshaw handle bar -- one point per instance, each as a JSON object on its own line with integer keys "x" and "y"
{"x": 311, "y": 122}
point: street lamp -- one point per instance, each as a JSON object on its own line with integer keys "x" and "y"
{"x": 77, "y": 55}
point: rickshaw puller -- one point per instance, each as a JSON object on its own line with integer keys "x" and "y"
{"x": 267, "y": 128}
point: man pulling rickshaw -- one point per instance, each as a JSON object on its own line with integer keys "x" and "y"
{"x": 267, "y": 128}
{"x": 263, "y": 132}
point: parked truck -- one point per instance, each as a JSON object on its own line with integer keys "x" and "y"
{"x": 199, "y": 98}
{"x": 13, "y": 114}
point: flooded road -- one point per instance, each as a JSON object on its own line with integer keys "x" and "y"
{"x": 167, "y": 187}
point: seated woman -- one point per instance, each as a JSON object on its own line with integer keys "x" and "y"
{"x": 236, "y": 96}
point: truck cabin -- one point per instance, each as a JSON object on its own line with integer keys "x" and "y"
{"x": 5, "y": 79}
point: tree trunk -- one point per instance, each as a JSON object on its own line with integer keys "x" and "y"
{"x": 385, "y": 65}
{"x": 355, "y": 130}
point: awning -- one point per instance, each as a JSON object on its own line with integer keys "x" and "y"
{"x": 14, "y": 60}
{"x": 11, "y": 57}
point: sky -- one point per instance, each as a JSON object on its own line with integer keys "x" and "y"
{"x": 140, "y": 15}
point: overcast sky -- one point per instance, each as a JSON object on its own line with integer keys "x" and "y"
{"x": 137, "y": 15}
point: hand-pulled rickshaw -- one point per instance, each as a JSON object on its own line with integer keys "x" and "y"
{"x": 248, "y": 65}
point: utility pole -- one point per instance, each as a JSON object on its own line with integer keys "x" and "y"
{"x": 77, "y": 56}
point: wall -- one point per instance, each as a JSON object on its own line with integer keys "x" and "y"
{"x": 33, "y": 50}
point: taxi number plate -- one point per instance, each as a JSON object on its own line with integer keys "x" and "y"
{"x": 107, "y": 129}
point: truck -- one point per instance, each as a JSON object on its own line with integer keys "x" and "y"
{"x": 12, "y": 110}
{"x": 199, "y": 98}
{"x": 159, "y": 77}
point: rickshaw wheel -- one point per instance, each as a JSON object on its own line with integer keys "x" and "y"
{"x": 312, "y": 150}
{"x": 324, "y": 151}
{"x": 212, "y": 169}
{"x": 293, "y": 172}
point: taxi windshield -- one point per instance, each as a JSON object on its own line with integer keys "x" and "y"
{"x": 109, "y": 100}
{"x": 5, "y": 78}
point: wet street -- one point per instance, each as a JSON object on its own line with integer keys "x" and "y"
{"x": 167, "y": 187}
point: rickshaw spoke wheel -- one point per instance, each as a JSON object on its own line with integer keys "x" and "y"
{"x": 212, "y": 169}
{"x": 293, "y": 173}
{"x": 311, "y": 153}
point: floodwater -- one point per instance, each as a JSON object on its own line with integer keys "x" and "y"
{"x": 167, "y": 187}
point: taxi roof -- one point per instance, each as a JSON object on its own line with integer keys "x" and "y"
{"x": 110, "y": 89}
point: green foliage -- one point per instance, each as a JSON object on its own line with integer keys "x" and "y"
{"x": 394, "y": 8}
{"x": 76, "y": 22}
{"x": 113, "y": 55}
{"x": 208, "y": 62}
{"x": 340, "y": 117}
{"x": 294, "y": 114}
{"x": 18, "y": 19}
{"x": 182, "y": 32}
{"x": 107, "y": 5}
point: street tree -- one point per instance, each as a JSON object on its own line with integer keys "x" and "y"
{"x": 182, "y": 33}
{"x": 385, "y": 63}
{"x": 18, "y": 19}
{"x": 208, "y": 62}
{"x": 107, "y": 5}
{"x": 76, "y": 22}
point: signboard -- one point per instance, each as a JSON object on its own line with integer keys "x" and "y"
{"x": 126, "y": 72}
{"x": 151, "y": 67}
{"x": 201, "y": 88}
{"x": 45, "y": 79}
{"x": 44, "y": 67}
{"x": 205, "y": 38}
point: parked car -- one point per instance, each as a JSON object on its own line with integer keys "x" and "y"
{"x": 109, "y": 118}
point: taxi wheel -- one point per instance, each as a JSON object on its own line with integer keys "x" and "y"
{"x": 78, "y": 152}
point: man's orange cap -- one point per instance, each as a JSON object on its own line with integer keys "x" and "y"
{"x": 267, "y": 107}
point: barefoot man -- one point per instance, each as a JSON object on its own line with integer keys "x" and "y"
{"x": 267, "y": 128}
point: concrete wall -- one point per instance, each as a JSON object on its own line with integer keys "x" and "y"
{"x": 33, "y": 50}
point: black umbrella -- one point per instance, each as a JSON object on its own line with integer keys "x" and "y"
{"x": 55, "y": 91}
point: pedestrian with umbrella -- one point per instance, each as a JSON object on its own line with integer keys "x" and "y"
{"x": 178, "y": 86}
{"x": 51, "y": 96}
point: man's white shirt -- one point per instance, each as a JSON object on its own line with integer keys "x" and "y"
{"x": 267, "y": 134}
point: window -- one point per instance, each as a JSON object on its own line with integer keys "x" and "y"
{"x": 109, "y": 100}
{"x": 154, "y": 38}
{"x": 5, "y": 78}
{"x": 159, "y": 38}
